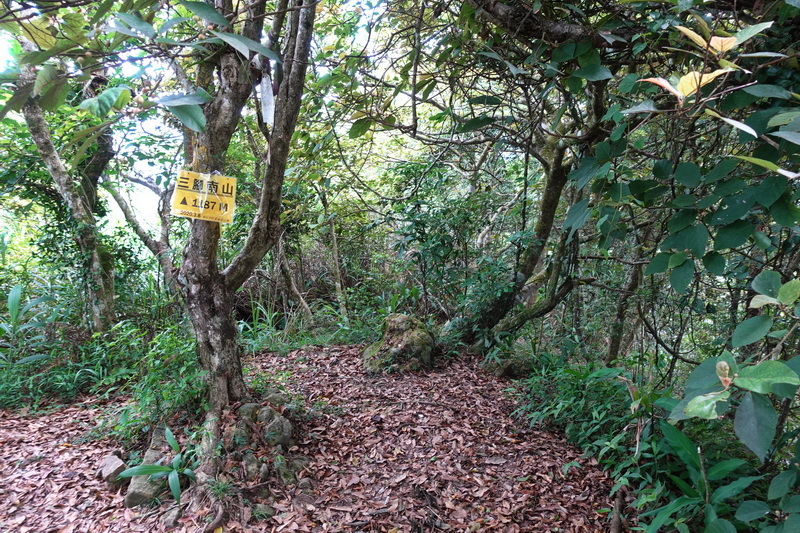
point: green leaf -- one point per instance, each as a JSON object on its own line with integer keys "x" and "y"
{"x": 719, "y": 525}
{"x": 206, "y": 12}
{"x": 145, "y": 470}
{"x": 733, "y": 235}
{"x": 750, "y": 510}
{"x": 751, "y": 31}
{"x": 761, "y": 377}
{"x": 751, "y": 330}
{"x": 682, "y": 277}
{"x": 688, "y": 174}
{"x": 475, "y": 123}
{"x": 485, "y": 100}
{"x": 789, "y": 292}
{"x": 768, "y": 91}
{"x": 593, "y": 73}
{"x": 665, "y": 512}
{"x": 190, "y": 116}
{"x": 681, "y": 445}
{"x": 781, "y": 484}
{"x": 714, "y": 263}
{"x": 200, "y": 96}
{"x": 659, "y": 264}
{"x": 755, "y": 423}
{"x": 244, "y": 45}
{"x": 677, "y": 259}
{"x": 577, "y": 216}
{"x": 770, "y": 189}
{"x": 588, "y": 169}
{"x": 174, "y": 482}
{"x": 696, "y": 239}
{"x": 44, "y": 77}
{"x": 791, "y": 136}
{"x": 171, "y": 440}
{"x": 733, "y": 489}
{"x": 705, "y": 405}
{"x": 137, "y": 24}
{"x": 101, "y": 104}
{"x": 767, "y": 283}
{"x": 360, "y": 127}
{"x": 722, "y": 469}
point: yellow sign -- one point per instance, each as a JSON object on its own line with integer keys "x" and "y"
{"x": 205, "y": 196}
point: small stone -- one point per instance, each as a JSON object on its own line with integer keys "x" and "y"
{"x": 170, "y": 518}
{"x": 263, "y": 472}
{"x": 277, "y": 398}
{"x": 111, "y": 467}
{"x": 236, "y": 437}
{"x": 262, "y": 511}
{"x": 278, "y": 432}
{"x": 266, "y": 415}
{"x": 249, "y": 411}
{"x": 142, "y": 489}
{"x": 252, "y": 466}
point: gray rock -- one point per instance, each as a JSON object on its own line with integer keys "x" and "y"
{"x": 406, "y": 345}
{"x": 236, "y": 437}
{"x": 277, "y": 398}
{"x": 278, "y": 432}
{"x": 252, "y": 466}
{"x": 266, "y": 415}
{"x": 249, "y": 411}
{"x": 110, "y": 467}
{"x": 262, "y": 511}
{"x": 170, "y": 518}
{"x": 142, "y": 489}
{"x": 304, "y": 484}
{"x": 263, "y": 472}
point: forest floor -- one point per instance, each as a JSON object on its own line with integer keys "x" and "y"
{"x": 429, "y": 451}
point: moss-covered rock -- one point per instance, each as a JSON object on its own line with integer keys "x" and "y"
{"x": 406, "y": 345}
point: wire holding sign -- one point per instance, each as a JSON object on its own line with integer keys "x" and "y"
{"x": 209, "y": 197}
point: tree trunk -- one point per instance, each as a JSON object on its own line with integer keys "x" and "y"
{"x": 99, "y": 266}
{"x": 618, "y": 327}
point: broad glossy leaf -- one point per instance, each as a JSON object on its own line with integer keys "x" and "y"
{"x": 475, "y": 123}
{"x": 681, "y": 445}
{"x": 207, "y": 13}
{"x": 722, "y": 44}
{"x": 733, "y": 235}
{"x": 137, "y": 24}
{"x": 696, "y": 239}
{"x": 719, "y": 525}
{"x": 755, "y": 423}
{"x": 791, "y": 136}
{"x": 722, "y": 469}
{"x": 752, "y": 330}
{"x": 705, "y": 405}
{"x": 763, "y": 90}
{"x": 750, "y": 510}
{"x": 714, "y": 263}
{"x": 171, "y": 440}
{"x": 659, "y": 264}
{"x": 244, "y": 45}
{"x": 789, "y": 292}
{"x": 103, "y": 103}
{"x": 761, "y": 377}
{"x": 733, "y": 489}
{"x": 770, "y": 189}
{"x": 767, "y": 283}
{"x": 751, "y": 31}
{"x": 145, "y": 470}
{"x": 200, "y": 96}
{"x": 593, "y": 73}
{"x": 360, "y": 127}
{"x": 44, "y": 77}
{"x": 682, "y": 277}
{"x": 577, "y": 216}
{"x": 694, "y": 36}
{"x": 781, "y": 484}
{"x": 190, "y": 116}
{"x": 688, "y": 174}
{"x": 759, "y": 300}
{"x": 174, "y": 482}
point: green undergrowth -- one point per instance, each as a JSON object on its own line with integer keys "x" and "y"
{"x": 685, "y": 476}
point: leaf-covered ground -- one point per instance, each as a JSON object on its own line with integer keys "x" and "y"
{"x": 432, "y": 451}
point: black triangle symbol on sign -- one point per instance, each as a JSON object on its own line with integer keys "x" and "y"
{"x": 184, "y": 202}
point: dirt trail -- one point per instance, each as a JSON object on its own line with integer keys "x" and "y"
{"x": 433, "y": 451}
{"x": 427, "y": 452}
